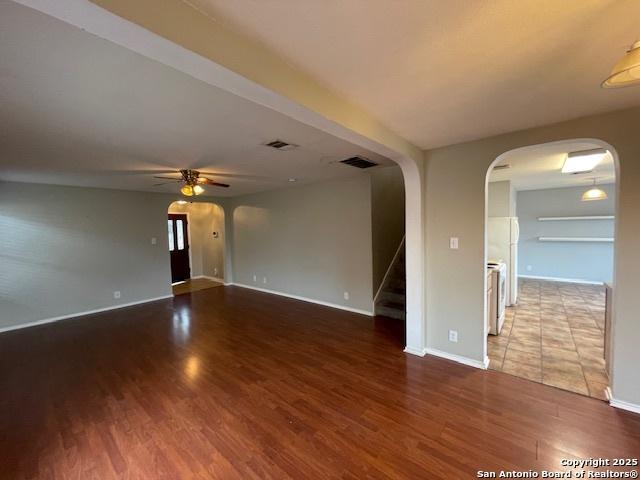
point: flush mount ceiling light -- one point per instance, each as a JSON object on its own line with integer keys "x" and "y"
{"x": 584, "y": 161}
{"x": 594, "y": 193}
{"x": 627, "y": 70}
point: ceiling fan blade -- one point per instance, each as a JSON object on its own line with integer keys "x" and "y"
{"x": 208, "y": 181}
{"x": 165, "y": 183}
{"x": 241, "y": 176}
{"x": 169, "y": 178}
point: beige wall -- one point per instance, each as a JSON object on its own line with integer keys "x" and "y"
{"x": 312, "y": 241}
{"x": 455, "y": 206}
{"x": 387, "y": 219}
{"x": 207, "y": 251}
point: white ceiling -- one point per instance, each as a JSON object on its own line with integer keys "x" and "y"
{"x": 78, "y": 110}
{"x": 440, "y": 72}
{"x": 540, "y": 167}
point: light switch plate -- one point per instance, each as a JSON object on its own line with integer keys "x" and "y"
{"x": 453, "y": 243}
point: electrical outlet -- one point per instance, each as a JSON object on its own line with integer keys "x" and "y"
{"x": 255, "y": 278}
{"x": 453, "y": 243}
{"x": 529, "y": 268}
{"x": 154, "y": 241}
{"x": 116, "y": 294}
{"x": 346, "y": 295}
{"x": 215, "y": 272}
{"x": 453, "y": 336}
{"x": 264, "y": 280}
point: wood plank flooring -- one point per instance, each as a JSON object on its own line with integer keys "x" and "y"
{"x": 231, "y": 383}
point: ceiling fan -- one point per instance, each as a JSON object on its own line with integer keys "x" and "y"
{"x": 193, "y": 181}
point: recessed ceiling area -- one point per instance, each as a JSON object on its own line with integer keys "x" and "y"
{"x": 538, "y": 168}
{"x": 442, "y": 72}
{"x": 79, "y": 110}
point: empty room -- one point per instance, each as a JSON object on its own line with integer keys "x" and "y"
{"x": 297, "y": 239}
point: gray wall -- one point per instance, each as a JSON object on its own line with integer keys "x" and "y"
{"x": 66, "y": 250}
{"x": 207, "y": 251}
{"x": 387, "y": 219}
{"x": 572, "y": 260}
{"x": 312, "y": 241}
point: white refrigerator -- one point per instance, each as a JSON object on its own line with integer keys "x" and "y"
{"x": 502, "y": 241}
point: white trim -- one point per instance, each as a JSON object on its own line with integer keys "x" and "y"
{"x": 607, "y": 392}
{"x": 583, "y": 217}
{"x": 621, "y": 404}
{"x": 305, "y": 299}
{"x": 386, "y": 274}
{"x": 577, "y": 239}
{"x": 458, "y": 358}
{"x": 421, "y": 352}
{"x": 565, "y": 280}
{"x": 82, "y": 314}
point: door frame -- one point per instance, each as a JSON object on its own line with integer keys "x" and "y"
{"x": 169, "y": 212}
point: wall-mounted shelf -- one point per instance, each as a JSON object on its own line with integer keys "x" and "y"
{"x": 577, "y": 239}
{"x": 583, "y": 217}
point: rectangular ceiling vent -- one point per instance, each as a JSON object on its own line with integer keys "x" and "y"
{"x": 502, "y": 167}
{"x": 359, "y": 162}
{"x": 280, "y": 145}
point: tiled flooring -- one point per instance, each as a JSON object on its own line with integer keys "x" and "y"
{"x": 555, "y": 336}
{"x": 193, "y": 285}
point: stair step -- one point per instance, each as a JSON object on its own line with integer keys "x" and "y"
{"x": 397, "y": 283}
{"x": 390, "y": 312}
{"x": 392, "y": 296}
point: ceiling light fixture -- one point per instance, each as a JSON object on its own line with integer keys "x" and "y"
{"x": 191, "y": 190}
{"x": 594, "y": 193}
{"x": 627, "y": 70}
{"x": 181, "y": 202}
{"x": 584, "y": 161}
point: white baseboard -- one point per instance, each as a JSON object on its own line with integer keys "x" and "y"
{"x": 305, "y": 299}
{"x": 621, "y": 404}
{"x": 420, "y": 352}
{"x": 81, "y": 314}
{"x": 565, "y": 280}
{"x": 458, "y": 358}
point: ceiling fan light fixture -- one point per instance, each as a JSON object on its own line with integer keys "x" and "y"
{"x": 197, "y": 189}
{"x": 627, "y": 70}
{"x": 187, "y": 191}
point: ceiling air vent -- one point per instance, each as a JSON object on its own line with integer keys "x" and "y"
{"x": 280, "y": 145}
{"x": 502, "y": 167}
{"x": 359, "y": 162}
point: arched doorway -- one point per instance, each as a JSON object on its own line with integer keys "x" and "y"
{"x": 196, "y": 238}
{"x": 549, "y": 249}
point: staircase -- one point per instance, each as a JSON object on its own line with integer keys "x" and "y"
{"x": 390, "y": 300}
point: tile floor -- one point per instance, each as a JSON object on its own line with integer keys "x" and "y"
{"x": 555, "y": 336}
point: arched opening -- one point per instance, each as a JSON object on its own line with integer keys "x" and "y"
{"x": 549, "y": 252}
{"x": 196, "y": 239}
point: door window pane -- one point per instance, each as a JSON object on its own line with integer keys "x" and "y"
{"x": 179, "y": 233}
{"x": 171, "y": 243}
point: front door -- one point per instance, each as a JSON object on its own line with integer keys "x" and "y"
{"x": 179, "y": 247}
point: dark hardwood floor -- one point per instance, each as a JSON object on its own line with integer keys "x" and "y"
{"x": 230, "y": 383}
